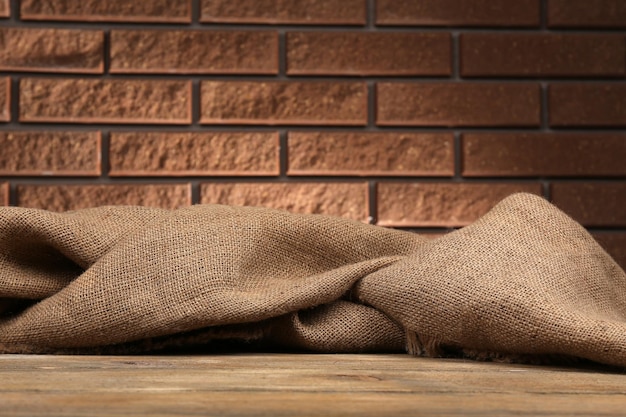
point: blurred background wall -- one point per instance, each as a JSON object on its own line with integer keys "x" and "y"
{"x": 417, "y": 114}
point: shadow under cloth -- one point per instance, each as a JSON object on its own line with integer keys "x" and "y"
{"x": 524, "y": 281}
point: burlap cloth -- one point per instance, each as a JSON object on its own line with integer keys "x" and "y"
{"x": 525, "y": 279}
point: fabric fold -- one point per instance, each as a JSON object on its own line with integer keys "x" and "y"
{"x": 525, "y": 279}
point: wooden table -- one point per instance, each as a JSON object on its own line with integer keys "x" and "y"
{"x": 299, "y": 385}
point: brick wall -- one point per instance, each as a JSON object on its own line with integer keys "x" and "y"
{"x": 419, "y": 114}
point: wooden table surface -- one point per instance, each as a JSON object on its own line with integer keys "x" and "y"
{"x": 300, "y": 385}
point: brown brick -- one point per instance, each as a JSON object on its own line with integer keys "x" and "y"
{"x": 49, "y": 153}
{"x": 4, "y": 194}
{"x": 105, "y": 101}
{"x": 5, "y": 99}
{"x": 52, "y": 50}
{"x": 74, "y": 197}
{"x": 313, "y": 12}
{"x": 587, "y": 104}
{"x": 368, "y": 153}
{"x": 336, "y": 199}
{"x": 592, "y": 204}
{"x": 185, "y": 153}
{"x": 440, "y": 204}
{"x": 458, "y": 12}
{"x": 107, "y": 11}
{"x": 615, "y": 245}
{"x": 587, "y": 13}
{"x": 361, "y": 53}
{"x": 278, "y": 102}
{"x": 536, "y": 55}
{"x": 197, "y": 52}
{"x": 5, "y": 10}
{"x": 540, "y": 154}
{"x": 456, "y": 104}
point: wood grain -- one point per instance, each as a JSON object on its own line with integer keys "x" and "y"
{"x": 299, "y": 385}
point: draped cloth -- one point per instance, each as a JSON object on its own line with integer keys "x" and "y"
{"x": 525, "y": 279}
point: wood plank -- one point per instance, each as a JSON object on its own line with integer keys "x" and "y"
{"x": 298, "y": 385}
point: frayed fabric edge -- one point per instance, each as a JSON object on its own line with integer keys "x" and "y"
{"x": 417, "y": 345}
{"x": 428, "y": 346}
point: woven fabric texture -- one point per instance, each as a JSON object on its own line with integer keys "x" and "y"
{"x": 523, "y": 280}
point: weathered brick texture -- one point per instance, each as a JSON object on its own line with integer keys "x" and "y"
{"x": 5, "y": 99}
{"x": 542, "y": 55}
{"x": 457, "y": 104}
{"x": 5, "y": 11}
{"x": 104, "y": 101}
{"x": 544, "y": 154}
{"x": 50, "y": 153}
{"x": 182, "y": 153}
{"x": 339, "y": 153}
{"x": 302, "y": 12}
{"x": 74, "y": 197}
{"x": 107, "y": 11}
{"x": 587, "y": 13}
{"x": 290, "y": 103}
{"x": 198, "y": 52}
{"x": 337, "y": 199}
{"x": 441, "y": 204}
{"x": 51, "y": 50}
{"x": 4, "y": 194}
{"x": 358, "y": 53}
{"x": 419, "y": 114}
{"x": 602, "y": 105}
{"x": 458, "y": 12}
{"x": 592, "y": 204}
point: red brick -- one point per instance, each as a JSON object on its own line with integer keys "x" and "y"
{"x": 51, "y": 50}
{"x": 5, "y": 10}
{"x": 5, "y": 99}
{"x": 458, "y": 12}
{"x": 547, "y": 55}
{"x": 197, "y": 153}
{"x": 104, "y": 101}
{"x": 336, "y": 199}
{"x": 368, "y": 153}
{"x": 4, "y": 194}
{"x": 457, "y": 104}
{"x": 301, "y": 12}
{"x": 544, "y": 154}
{"x": 279, "y": 102}
{"x": 592, "y": 204}
{"x": 615, "y": 245}
{"x": 587, "y": 104}
{"x": 362, "y": 53}
{"x": 74, "y": 197}
{"x": 587, "y": 13}
{"x": 49, "y": 153}
{"x": 107, "y": 11}
{"x": 440, "y": 204}
{"x": 194, "y": 52}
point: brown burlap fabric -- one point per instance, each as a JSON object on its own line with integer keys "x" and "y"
{"x": 524, "y": 279}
